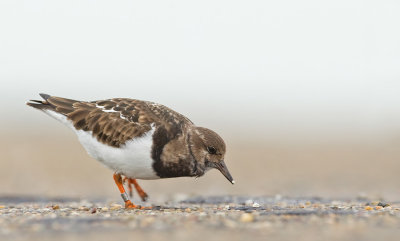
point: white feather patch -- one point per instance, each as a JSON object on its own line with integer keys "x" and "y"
{"x": 132, "y": 159}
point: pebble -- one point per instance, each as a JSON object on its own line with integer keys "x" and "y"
{"x": 368, "y": 208}
{"x": 383, "y": 204}
{"x": 83, "y": 208}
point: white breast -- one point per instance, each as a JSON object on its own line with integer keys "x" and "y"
{"x": 132, "y": 159}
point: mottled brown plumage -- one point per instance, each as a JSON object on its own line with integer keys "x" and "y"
{"x": 115, "y": 121}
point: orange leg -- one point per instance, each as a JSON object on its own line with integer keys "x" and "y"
{"x": 140, "y": 191}
{"x": 128, "y": 181}
{"x": 143, "y": 195}
{"x": 118, "y": 181}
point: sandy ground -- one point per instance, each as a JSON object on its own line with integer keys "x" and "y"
{"x": 200, "y": 218}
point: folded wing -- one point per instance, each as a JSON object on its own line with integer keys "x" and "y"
{"x": 114, "y": 121}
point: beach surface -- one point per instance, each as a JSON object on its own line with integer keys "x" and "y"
{"x": 200, "y": 218}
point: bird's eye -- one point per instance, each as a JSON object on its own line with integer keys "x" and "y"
{"x": 211, "y": 150}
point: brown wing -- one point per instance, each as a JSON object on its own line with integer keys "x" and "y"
{"x": 114, "y": 121}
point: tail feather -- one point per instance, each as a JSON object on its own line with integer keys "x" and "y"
{"x": 44, "y": 96}
{"x": 38, "y": 106}
{"x": 61, "y": 105}
{"x": 61, "y": 102}
{"x": 37, "y": 101}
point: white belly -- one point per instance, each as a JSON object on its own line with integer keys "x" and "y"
{"x": 132, "y": 159}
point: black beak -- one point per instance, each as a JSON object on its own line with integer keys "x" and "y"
{"x": 224, "y": 170}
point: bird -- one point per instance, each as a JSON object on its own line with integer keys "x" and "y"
{"x": 139, "y": 140}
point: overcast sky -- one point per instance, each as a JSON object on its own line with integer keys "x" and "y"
{"x": 279, "y": 64}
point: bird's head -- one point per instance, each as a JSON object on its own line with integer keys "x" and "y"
{"x": 209, "y": 149}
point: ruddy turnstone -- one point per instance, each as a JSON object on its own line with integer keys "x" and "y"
{"x": 139, "y": 139}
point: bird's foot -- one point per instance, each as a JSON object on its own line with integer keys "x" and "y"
{"x": 130, "y": 205}
{"x": 143, "y": 196}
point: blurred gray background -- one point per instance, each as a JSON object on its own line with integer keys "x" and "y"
{"x": 305, "y": 93}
